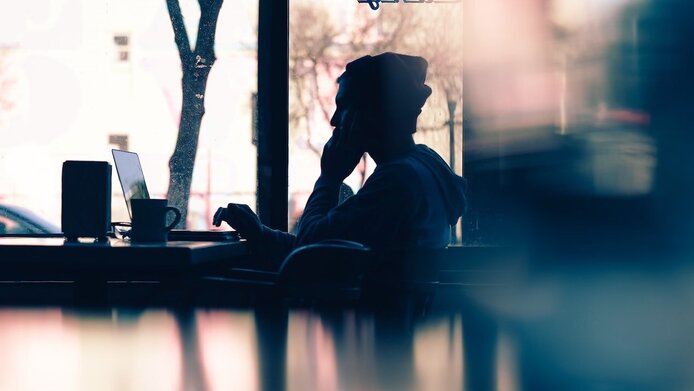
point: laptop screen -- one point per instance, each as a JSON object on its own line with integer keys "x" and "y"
{"x": 132, "y": 179}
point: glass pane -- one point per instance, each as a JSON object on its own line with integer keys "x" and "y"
{"x": 325, "y": 35}
{"x": 78, "y": 78}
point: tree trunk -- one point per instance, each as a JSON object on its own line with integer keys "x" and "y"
{"x": 196, "y": 66}
{"x": 182, "y": 160}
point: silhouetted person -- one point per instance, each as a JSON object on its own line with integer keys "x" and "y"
{"x": 411, "y": 199}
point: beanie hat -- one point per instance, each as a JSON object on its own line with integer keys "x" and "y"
{"x": 389, "y": 82}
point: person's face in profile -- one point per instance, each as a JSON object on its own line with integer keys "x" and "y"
{"x": 351, "y": 118}
{"x": 339, "y": 118}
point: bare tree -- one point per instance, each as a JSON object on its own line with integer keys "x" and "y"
{"x": 196, "y": 65}
{"x": 442, "y": 47}
{"x": 392, "y": 31}
{"x": 313, "y": 35}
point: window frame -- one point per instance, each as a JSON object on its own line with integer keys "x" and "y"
{"x": 272, "y": 127}
{"x": 273, "y": 113}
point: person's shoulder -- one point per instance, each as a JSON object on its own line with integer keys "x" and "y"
{"x": 423, "y": 151}
{"x": 402, "y": 175}
{"x": 400, "y": 169}
{"x": 412, "y": 163}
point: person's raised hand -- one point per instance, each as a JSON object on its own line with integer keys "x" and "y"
{"x": 343, "y": 151}
{"x": 241, "y": 218}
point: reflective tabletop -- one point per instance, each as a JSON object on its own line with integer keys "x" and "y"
{"x": 118, "y": 349}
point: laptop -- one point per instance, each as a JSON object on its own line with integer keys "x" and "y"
{"x": 132, "y": 182}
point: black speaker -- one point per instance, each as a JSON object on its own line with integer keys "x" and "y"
{"x": 86, "y": 200}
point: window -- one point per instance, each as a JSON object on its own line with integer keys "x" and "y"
{"x": 325, "y": 36}
{"x": 511, "y": 82}
{"x": 122, "y": 46}
{"x": 119, "y": 141}
{"x": 528, "y": 97}
{"x": 88, "y": 76}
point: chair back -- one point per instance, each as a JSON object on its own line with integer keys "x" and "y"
{"x": 339, "y": 270}
{"x": 329, "y": 270}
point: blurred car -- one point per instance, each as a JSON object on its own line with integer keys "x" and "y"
{"x": 17, "y": 220}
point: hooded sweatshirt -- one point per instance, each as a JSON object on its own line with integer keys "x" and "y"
{"x": 410, "y": 202}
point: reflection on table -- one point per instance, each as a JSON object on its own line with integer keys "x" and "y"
{"x": 570, "y": 327}
{"x": 221, "y": 350}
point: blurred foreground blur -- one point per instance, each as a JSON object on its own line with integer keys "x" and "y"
{"x": 578, "y": 143}
{"x": 577, "y": 132}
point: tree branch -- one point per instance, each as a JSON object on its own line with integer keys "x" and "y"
{"x": 316, "y": 91}
{"x": 179, "y": 28}
{"x": 207, "y": 27}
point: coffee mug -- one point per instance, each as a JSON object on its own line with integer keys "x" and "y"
{"x": 149, "y": 219}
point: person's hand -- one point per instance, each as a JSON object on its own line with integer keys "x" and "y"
{"x": 343, "y": 151}
{"x": 241, "y": 218}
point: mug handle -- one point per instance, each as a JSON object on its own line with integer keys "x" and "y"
{"x": 176, "y": 219}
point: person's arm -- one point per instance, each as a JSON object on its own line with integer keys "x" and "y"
{"x": 264, "y": 242}
{"x": 368, "y": 216}
{"x": 274, "y": 244}
{"x": 340, "y": 157}
{"x": 324, "y": 197}
{"x": 371, "y": 216}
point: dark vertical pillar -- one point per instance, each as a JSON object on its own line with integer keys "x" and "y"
{"x": 452, "y": 239}
{"x": 469, "y": 221}
{"x": 273, "y": 112}
{"x": 451, "y": 132}
{"x": 466, "y": 95}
